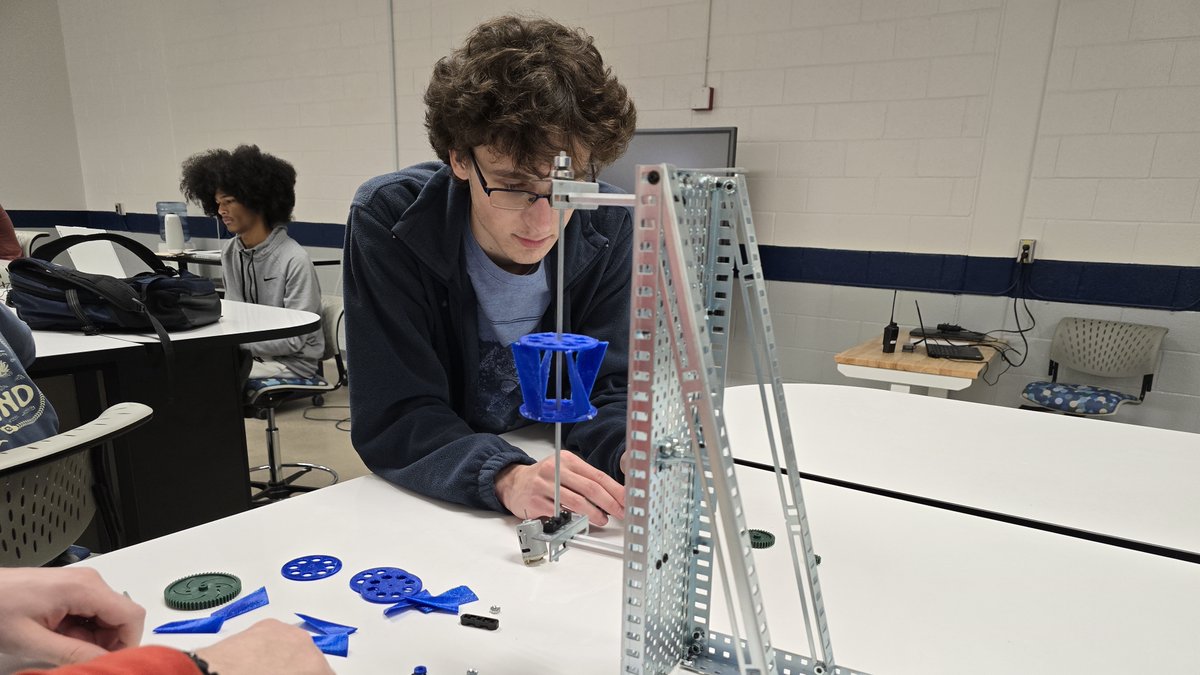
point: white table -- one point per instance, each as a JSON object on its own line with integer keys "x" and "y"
{"x": 909, "y": 589}
{"x": 241, "y": 322}
{"x": 51, "y": 345}
{"x": 1126, "y": 481}
{"x": 189, "y": 464}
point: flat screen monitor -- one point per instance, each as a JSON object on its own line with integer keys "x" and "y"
{"x": 700, "y": 148}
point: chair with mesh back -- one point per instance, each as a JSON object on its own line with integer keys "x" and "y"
{"x": 46, "y": 498}
{"x": 264, "y": 395}
{"x": 1107, "y": 349}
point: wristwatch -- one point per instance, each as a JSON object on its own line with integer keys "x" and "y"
{"x": 200, "y": 663}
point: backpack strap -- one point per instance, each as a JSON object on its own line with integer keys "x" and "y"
{"x": 52, "y": 249}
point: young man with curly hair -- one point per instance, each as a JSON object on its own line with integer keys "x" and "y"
{"x": 447, "y": 263}
{"x": 253, "y": 193}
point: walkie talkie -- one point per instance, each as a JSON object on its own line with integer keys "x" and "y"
{"x": 891, "y": 332}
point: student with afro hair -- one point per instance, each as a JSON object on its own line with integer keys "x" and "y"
{"x": 253, "y": 193}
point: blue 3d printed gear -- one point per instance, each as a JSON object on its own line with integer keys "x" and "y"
{"x": 385, "y": 584}
{"x": 311, "y": 568}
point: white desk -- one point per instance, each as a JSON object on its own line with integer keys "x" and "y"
{"x": 241, "y": 322}
{"x": 1127, "y": 481}
{"x": 909, "y": 589}
{"x": 189, "y": 464}
{"x": 51, "y": 345}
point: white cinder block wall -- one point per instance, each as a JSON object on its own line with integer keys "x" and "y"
{"x": 932, "y": 126}
{"x": 39, "y": 155}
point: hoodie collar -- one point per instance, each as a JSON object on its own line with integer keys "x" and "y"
{"x": 266, "y": 247}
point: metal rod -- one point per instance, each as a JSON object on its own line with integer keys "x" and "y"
{"x": 595, "y": 199}
{"x": 590, "y": 543}
{"x": 558, "y": 331}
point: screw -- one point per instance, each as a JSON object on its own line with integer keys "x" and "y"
{"x": 472, "y": 671}
{"x": 495, "y": 609}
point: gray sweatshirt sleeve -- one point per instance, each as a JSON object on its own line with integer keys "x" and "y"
{"x": 18, "y": 335}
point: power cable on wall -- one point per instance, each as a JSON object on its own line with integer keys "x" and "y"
{"x": 392, "y": 72}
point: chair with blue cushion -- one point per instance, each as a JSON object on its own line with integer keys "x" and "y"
{"x": 1105, "y": 349}
{"x": 264, "y": 395}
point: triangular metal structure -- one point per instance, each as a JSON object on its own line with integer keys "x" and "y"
{"x": 684, "y": 518}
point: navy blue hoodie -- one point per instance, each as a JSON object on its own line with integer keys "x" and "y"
{"x": 412, "y": 341}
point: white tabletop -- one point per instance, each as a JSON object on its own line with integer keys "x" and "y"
{"x": 909, "y": 589}
{"x": 51, "y": 344}
{"x": 1127, "y": 481}
{"x": 240, "y": 322}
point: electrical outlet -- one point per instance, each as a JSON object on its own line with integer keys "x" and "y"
{"x": 1025, "y": 251}
{"x": 120, "y": 209}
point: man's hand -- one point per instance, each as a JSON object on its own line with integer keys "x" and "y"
{"x": 268, "y": 646}
{"x": 528, "y": 490}
{"x": 64, "y": 615}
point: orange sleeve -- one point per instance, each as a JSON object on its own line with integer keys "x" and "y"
{"x": 136, "y": 661}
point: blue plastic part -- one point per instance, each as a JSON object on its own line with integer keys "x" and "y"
{"x": 357, "y": 581}
{"x": 311, "y": 568}
{"x": 420, "y": 670}
{"x": 582, "y": 356}
{"x": 332, "y": 638}
{"x": 325, "y": 627}
{"x": 447, "y": 602}
{"x": 337, "y": 644}
{"x": 385, "y": 584}
{"x": 213, "y": 622}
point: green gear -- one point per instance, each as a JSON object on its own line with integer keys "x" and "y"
{"x": 202, "y": 591}
{"x": 761, "y": 539}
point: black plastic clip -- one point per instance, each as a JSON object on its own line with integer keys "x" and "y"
{"x": 476, "y": 621}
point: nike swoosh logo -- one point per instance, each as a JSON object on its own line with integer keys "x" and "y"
{"x": 270, "y": 278}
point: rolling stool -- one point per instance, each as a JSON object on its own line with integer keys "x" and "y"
{"x": 264, "y": 395}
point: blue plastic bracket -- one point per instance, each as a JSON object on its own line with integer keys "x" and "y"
{"x": 582, "y": 356}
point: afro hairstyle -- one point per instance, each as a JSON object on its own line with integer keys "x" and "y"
{"x": 262, "y": 183}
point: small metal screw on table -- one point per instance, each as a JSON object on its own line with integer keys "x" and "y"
{"x": 495, "y": 609}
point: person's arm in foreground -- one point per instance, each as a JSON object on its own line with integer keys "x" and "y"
{"x": 69, "y": 616}
{"x": 64, "y": 615}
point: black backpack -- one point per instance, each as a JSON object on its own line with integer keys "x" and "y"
{"x": 48, "y": 296}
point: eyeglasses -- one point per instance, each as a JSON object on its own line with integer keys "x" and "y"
{"x": 508, "y": 198}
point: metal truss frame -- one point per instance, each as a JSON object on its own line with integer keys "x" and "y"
{"x": 683, "y": 507}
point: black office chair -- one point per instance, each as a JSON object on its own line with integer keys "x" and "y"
{"x": 46, "y": 487}
{"x": 263, "y": 396}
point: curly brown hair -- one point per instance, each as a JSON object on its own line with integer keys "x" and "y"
{"x": 528, "y": 87}
{"x": 262, "y": 183}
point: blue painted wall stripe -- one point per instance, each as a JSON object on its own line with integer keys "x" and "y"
{"x": 325, "y": 235}
{"x": 1123, "y": 285}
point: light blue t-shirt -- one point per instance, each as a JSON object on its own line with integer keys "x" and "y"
{"x": 510, "y": 305}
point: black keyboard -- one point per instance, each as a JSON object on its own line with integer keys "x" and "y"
{"x": 937, "y": 351}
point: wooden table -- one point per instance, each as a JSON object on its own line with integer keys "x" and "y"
{"x": 903, "y": 370}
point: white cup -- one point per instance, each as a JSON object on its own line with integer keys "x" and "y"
{"x": 174, "y": 232}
